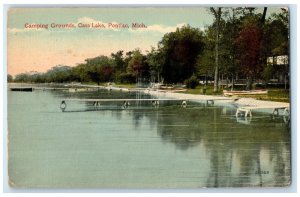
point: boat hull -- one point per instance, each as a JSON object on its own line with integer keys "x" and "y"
{"x": 251, "y": 92}
{"x": 22, "y": 89}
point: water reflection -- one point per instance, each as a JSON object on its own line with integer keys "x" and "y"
{"x": 143, "y": 146}
{"x": 254, "y": 152}
{"x": 236, "y": 152}
{"x": 243, "y": 119}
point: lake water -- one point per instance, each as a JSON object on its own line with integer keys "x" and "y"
{"x": 141, "y": 146}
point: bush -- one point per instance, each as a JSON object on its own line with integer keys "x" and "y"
{"x": 126, "y": 78}
{"x": 192, "y": 82}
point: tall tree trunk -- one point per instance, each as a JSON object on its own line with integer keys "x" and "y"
{"x": 216, "y": 78}
{"x": 206, "y": 78}
{"x": 217, "y": 15}
{"x": 263, "y": 17}
{"x": 263, "y": 56}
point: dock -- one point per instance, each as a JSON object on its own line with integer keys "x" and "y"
{"x": 48, "y": 88}
{"x": 245, "y": 106}
{"x": 275, "y": 107}
{"x": 154, "y": 101}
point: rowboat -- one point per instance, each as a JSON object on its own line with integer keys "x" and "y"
{"x": 244, "y": 92}
{"x": 22, "y": 89}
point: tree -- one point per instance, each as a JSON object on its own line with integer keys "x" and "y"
{"x": 22, "y": 77}
{"x": 217, "y": 14}
{"x": 205, "y": 60}
{"x": 135, "y": 65}
{"x": 37, "y": 78}
{"x": 180, "y": 50}
{"x": 263, "y": 17}
{"x": 119, "y": 60}
{"x": 120, "y": 64}
{"x": 277, "y": 34}
{"x": 9, "y": 78}
{"x": 59, "y": 73}
{"x": 229, "y": 32}
{"x": 100, "y": 69}
{"x": 138, "y": 66}
{"x": 249, "y": 46}
{"x": 79, "y": 73}
{"x": 155, "y": 59}
{"x": 276, "y": 41}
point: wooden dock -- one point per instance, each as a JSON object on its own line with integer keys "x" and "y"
{"x": 246, "y": 106}
{"x": 247, "y": 110}
{"x": 49, "y": 88}
{"x": 153, "y": 101}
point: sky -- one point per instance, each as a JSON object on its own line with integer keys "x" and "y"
{"x": 31, "y": 47}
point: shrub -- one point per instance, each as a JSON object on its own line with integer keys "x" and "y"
{"x": 126, "y": 78}
{"x": 192, "y": 82}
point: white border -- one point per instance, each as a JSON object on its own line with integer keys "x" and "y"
{"x": 294, "y": 93}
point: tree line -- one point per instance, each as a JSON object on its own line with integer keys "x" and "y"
{"x": 236, "y": 45}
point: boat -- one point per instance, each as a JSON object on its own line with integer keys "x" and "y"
{"x": 244, "y": 92}
{"x": 22, "y": 89}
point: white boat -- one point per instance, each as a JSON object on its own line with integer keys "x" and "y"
{"x": 244, "y": 92}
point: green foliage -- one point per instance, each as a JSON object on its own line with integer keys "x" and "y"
{"x": 58, "y": 74}
{"x": 180, "y": 50}
{"x": 126, "y": 78}
{"x": 155, "y": 60}
{"x": 23, "y": 77}
{"x": 205, "y": 62}
{"x": 249, "y": 45}
{"x": 100, "y": 69}
{"x": 9, "y": 78}
{"x": 192, "y": 82}
{"x": 79, "y": 73}
{"x": 119, "y": 60}
{"x": 268, "y": 72}
{"x": 137, "y": 65}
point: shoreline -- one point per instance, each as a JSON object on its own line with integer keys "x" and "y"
{"x": 219, "y": 100}
{"x": 224, "y": 101}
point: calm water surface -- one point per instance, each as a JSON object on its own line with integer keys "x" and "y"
{"x": 140, "y": 146}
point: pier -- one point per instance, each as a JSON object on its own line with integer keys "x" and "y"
{"x": 247, "y": 110}
{"x": 153, "y": 101}
{"x": 245, "y": 106}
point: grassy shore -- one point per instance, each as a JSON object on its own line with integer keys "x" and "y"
{"x": 208, "y": 90}
{"x": 278, "y": 95}
{"x": 125, "y": 85}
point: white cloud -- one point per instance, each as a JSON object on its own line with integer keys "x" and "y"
{"x": 19, "y": 30}
{"x": 159, "y": 28}
{"x": 151, "y": 28}
{"x": 88, "y": 20}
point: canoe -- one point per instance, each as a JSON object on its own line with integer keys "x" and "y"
{"x": 244, "y": 92}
